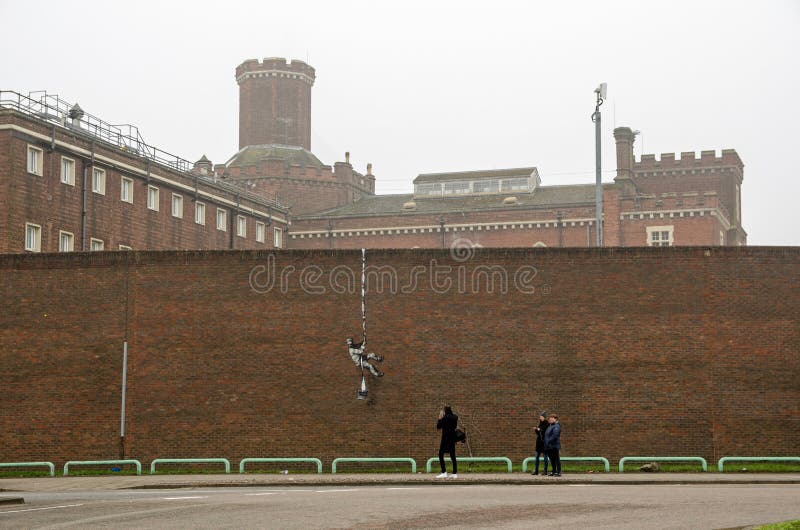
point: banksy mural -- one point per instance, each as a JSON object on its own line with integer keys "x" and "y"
{"x": 357, "y": 349}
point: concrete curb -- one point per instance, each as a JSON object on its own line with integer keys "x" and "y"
{"x": 84, "y": 483}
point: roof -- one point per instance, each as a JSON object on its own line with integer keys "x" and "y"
{"x": 543, "y": 197}
{"x": 472, "y": 175}
{"x": 252, "y": 154}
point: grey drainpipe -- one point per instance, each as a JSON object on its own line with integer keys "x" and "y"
{"x": 83, "y": 199}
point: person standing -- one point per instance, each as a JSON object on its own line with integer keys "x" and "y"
{"x": 552, "y": 444}
{"x": 447, "y": 424}
{"x": 540, "y": 430}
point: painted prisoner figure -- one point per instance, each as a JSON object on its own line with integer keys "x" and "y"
{"x": 356, "y": 350}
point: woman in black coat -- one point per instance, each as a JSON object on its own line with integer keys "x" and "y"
{"x": 447, "y": 424}
{"x": 540, "y": 430}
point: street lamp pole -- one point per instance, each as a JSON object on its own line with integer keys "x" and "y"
{"x": 600, "y": 93}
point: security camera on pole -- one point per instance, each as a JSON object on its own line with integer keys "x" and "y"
{"x": 600, "y": 93}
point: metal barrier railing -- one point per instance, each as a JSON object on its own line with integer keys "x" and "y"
{"x": 190, "y": 461}
{"x": 342, "y": 460}
{"x": 724, "y": 459}
{"x": 102, "y": 463}
{"x": 31, "y": 464}
{"x": 603, "y": 460}
{"x": 662, "y": 459}
{"x": 502, "y": 459}
{"x": 316, "y": 461}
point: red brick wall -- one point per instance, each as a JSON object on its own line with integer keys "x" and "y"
{"x": 666, "y": 351}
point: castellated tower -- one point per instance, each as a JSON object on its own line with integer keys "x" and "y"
{"x": 275, "y": 102}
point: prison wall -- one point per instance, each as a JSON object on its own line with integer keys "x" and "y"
{"x": 664, "y": 351}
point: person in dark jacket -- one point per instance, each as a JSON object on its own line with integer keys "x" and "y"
{"x": 552, "y": 444}
{"x": 447, "y": 424}
{"x": 540, "y": 430}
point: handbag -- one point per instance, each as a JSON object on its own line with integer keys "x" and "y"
{"x": 460, "y": 435}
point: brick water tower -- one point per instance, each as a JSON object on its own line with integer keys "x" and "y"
{"x": 275, "y": 102}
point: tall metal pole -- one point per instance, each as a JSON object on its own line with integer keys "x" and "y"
{"x": 600, "y": 92}
{"x": 124, "y": 388}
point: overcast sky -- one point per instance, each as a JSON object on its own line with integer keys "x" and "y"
{"x": 420, "y": 87}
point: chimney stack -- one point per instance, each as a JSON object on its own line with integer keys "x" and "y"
{"x": 624, "y": 137}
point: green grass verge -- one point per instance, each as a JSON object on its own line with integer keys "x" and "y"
{"x": 371, "y": 467}
{"x": 786, "y": 525}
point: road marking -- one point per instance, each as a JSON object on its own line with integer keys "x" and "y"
{"x": 406, "y": 488}
{"x": 38, "y": 509}
{"x": 332, "y": 491}
{"x": 256, "y": 494}
{"x": 181, "y": 498}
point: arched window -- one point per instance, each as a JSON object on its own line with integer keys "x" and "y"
{"x": 539, "y": 244}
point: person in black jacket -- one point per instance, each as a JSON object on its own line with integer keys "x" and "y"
{"x": 552, "y": 444}
{"x": 540, "y": 430}
{"x": 447, "y": 424}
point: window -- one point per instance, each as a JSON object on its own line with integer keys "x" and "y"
{"x": 125, "y": 247}
{"x": 660, "y": 236}
{"x": 96, "y": 245}
{"x": 428, "y": 189}
{"x": 66, "y": 241}
{"x": 35, "y": 160}
{"x": 485, "y": 186}
{"x": 451, "y": 188}
{"x": 67, "y": 171}
{"x": 222, "y": 219}
{"x": 241, "y": 226}
{"x": 126, "y": 190}
{"x": 721, "y": 238}
{"x": 177, "y": 206}
{"x": 33, "y": 237}
{"x": 277, "y": 238}
{"x": 200, "y": 213}
{"x": 515, "y": 184}
{"x": 98, "y": 181}
{"x": 152, "y": 198}
{"x": 260, "y": 229}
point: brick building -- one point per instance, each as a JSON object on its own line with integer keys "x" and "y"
{"x": 672, "y": 201}
{"x": 70, "y": 181}
{"x": 274, "y": 192}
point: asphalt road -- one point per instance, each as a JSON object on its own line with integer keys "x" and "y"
{"x": 431, "y": 506}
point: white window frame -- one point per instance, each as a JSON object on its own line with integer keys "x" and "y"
{"x": 200, "y": 213}
{"x": 177, "y": 205}
{"x": 34, "y": 230}
{"x": 35, "y": 160}
{"x": 98, "y": 181}
{"x": 61, "y": 234}
{"x": 222, "y": 220}
{"x": 93, "y": 242}
{"x": 277, "y": 237}
{"x": 68, "y": 176}
{"x": 125, "y": 247}
{"x": 241, "y": 226}
{"x": 152, "y": 198}
{"x": 659, "y": 241}
{"x": 126, "y": 190}
{"x": 261, "y": 230}
{"x": 721, "y": 238}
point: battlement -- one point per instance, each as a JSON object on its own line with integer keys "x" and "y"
{"x": 689, "y": 160}
{"x": 276, "y": 67}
